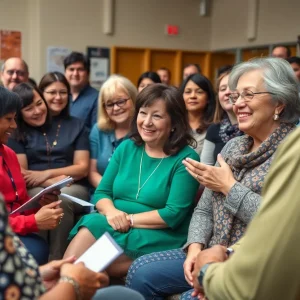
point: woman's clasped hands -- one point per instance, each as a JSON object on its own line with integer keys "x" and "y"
{"x": 218, "y": 179}
{"x": 118, "y": 220}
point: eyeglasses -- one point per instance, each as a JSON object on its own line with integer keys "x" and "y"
{"x": 246, "y": 95}
{"x": 119, "y": 103}
{"x": 54, "y": 93}
{"x": 18, "y": 72}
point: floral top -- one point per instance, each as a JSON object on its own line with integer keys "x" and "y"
{"x": 19, "y": 273}
{"x": 220, "y": 219}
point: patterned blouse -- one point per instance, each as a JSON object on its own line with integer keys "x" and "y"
{"x": 19, "y": 273}
{"x": 220, "y": 219}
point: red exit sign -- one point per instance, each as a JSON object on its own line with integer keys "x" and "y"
{"x": 172, "y": 29}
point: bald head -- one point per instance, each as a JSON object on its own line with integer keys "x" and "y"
{"x": 13, "y": 72}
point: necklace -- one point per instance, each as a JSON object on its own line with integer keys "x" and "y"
{"x": 139, "y": 184}
{"x": 54, "y": 143}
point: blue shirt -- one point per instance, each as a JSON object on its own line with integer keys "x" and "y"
{"x": 102, "y": 145}
{"x": 85, "y": 106}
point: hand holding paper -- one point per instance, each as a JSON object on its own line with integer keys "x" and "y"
{"x": 101, "y": 254}
{"x": 34, "y": 201}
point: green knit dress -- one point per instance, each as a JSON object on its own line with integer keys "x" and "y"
{"x": 170, "y": 191}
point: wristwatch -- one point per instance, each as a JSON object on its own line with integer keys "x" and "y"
{"x": 202, "y": 273}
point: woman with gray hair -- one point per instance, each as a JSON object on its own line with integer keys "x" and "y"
{"x": 265, "y": 99}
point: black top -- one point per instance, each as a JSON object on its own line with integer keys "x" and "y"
{"x": 72, "y": 136}
{"x": 213, "y": 136}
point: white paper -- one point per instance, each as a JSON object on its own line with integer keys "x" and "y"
{"x": 34, "y": 201}
{"x": 101, "y": 254}
{"x": 76, "y": 200}
{"x": 99, "y": 70}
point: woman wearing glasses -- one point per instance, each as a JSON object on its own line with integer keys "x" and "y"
{"x": 265, "y": 101}
{"x": 50, "y": 145}
{"x": 115, "y": 110}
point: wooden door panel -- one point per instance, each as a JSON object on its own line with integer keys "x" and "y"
{"x": 130, "y": 63}
{"x": 252, "y": 53}
{"x": 166, "y": 59}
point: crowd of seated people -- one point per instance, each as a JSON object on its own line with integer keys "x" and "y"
{"x": 140, "y": 154}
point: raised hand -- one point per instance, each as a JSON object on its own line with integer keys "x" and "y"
{"x": 218, "y": 179}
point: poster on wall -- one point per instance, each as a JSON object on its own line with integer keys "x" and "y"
{"x": 10, "y": 44}
{"x": 100, "y": 64}
{"x": 55, "y": 58}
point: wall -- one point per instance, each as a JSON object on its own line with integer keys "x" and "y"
{"x": 13, "y": 16}
{"x": 278, "y": 21}
{"x": 140, "y": 23}
{"x": 77, "y": 24}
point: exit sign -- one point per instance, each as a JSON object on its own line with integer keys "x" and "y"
{"x": 172, "y": 29}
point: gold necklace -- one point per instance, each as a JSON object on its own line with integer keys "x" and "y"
{"x": 54, "y": 143}
{"x": 139, "y": 184}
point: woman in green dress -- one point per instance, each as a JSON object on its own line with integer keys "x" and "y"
{"x": 146, "y": 196}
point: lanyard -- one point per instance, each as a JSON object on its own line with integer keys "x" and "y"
{"x": 12, "y": 183}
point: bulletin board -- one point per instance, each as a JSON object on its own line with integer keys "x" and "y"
{"x": 10, "y": 44}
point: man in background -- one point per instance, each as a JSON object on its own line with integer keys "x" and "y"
{"x": 281, "y": 51}
{"x": 165, "y": 75}
{"x": 13, "y": 72}
{"x": 83, "y": 98}
{"x": 295, "y": 64}
{"x": 191, "y": 69}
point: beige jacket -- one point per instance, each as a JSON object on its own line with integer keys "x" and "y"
{"x": 266, "y": 265}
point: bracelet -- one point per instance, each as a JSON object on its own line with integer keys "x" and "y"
{"x": 73, "y": 283}
{"x": 131, "y": 220}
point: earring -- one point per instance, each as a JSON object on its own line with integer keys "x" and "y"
{"x": 173, "y": 129}
{"x": 276, "y": 117}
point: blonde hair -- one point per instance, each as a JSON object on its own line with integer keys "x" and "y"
{"x": 107, "y": 91}
{"x": 219, "y": 112}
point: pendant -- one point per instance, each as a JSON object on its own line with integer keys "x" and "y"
{"x": 54, "y": 143}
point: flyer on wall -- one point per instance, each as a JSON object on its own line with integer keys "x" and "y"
{"x": 55, "y": 58}
{"x": 100, "y": 64}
